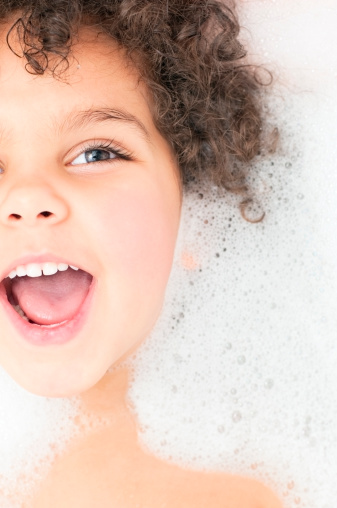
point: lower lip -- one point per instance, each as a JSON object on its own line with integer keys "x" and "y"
{"x": 57, "y": 335}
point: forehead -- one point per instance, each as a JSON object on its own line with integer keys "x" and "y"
{"x": 98, "y": 74}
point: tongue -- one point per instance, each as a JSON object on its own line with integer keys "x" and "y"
{"x": 51, "y": 299}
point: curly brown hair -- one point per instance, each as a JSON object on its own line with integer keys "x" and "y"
{"x": 206, "y": 99}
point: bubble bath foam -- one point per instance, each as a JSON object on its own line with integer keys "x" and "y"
{"x": 247, "y": 341}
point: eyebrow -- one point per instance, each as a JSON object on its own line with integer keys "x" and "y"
{"x": 78, "y": 119}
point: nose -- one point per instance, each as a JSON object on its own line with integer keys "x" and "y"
{"x": 32, "y": 205}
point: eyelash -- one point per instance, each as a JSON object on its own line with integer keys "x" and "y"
{"x": 108, "y": 146}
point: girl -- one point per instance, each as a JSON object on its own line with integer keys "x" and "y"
{"x": 108, "y": 108}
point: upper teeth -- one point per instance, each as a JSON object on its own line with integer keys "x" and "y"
{"x": 36, "y": 269}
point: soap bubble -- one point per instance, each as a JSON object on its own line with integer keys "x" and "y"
{"x": 236, "y": 416}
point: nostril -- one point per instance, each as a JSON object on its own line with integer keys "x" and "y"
{"x": 16, "y": 216}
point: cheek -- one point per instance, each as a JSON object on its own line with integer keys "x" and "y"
{"x": 139, "y": 230}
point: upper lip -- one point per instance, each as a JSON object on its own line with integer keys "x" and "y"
{"x": 37, "y": 258}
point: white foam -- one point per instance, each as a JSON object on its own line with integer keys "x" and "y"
{"x": 240, "y": 372}
{"x": 33, "y": 429}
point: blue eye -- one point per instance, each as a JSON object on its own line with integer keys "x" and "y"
{"x": 94, "y": 155}
{"x": 97, "y": 151}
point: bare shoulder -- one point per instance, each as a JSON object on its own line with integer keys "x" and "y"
{"x": 109, "y": 468}
{"x": 219, "y": 490}
{"x": 100, "y": 472}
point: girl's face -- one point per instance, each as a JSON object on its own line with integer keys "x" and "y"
{"x": 85, "y": 180}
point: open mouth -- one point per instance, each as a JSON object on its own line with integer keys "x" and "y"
{"x": 47, "y": 308}
{"x": 48, "y": 300}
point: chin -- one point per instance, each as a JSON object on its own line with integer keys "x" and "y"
{"x": 54, "y": 382}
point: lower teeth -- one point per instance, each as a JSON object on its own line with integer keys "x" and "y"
{"x": 21, "y": 313}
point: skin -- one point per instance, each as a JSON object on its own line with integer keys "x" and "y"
{"x": 119, "y": 220}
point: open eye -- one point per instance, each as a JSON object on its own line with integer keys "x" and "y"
{"x": 100, "y": 151}
{"x": 94, "y": 155}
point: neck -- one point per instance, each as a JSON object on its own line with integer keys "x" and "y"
{"x": 108, "y": 398}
